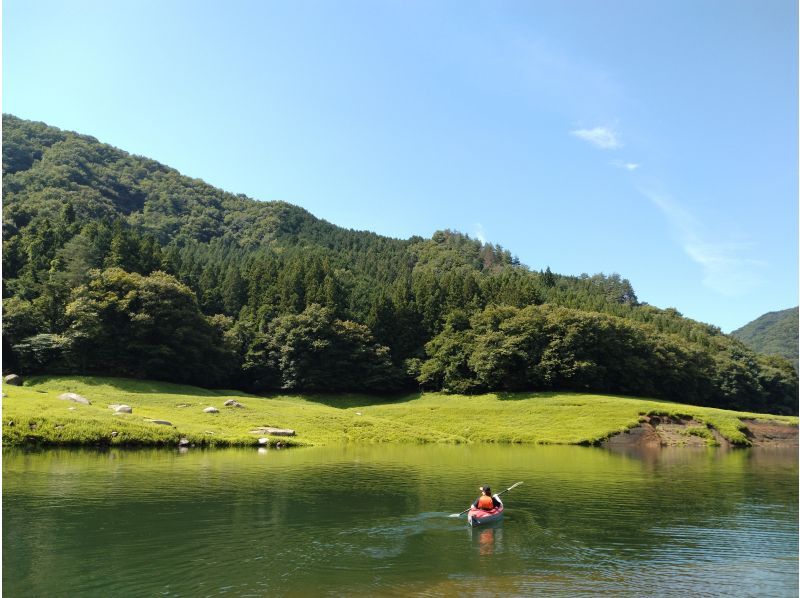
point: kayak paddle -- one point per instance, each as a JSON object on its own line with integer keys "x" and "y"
{"x": 498, "y": 494}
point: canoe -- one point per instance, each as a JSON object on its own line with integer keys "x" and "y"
{"x": 481, "y": 517}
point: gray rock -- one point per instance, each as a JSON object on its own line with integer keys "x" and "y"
{"x": 113, "y": 406}
{"x": 13, "y": 380}
{"x": 114, "y": 434}
{"x": 75, "y": 398}
{"x": 263, "y": 441}
{"x": 232, "y": 403}
{"x": 161, "y": 422}
{"x": 123, "y": 409}
{"x": 183, "y": 442}
{"x": 11, "y": 423}
{"x": 210, "y": 410}
{"x": 273, "y": 431}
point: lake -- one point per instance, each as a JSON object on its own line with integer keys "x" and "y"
{"x": 373, "y": 520}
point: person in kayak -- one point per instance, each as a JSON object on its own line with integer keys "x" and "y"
{"x": 486, "y": 501}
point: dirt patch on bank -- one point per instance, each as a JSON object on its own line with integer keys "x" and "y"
{"x": 660, "y": 430}
{"x": 768, "y": 433}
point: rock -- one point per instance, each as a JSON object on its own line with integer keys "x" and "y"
{"x": 75, "y": 398}
{"x": 232, "y": 403}
{"x": 182, "y": 405}
{"x": 207, "y": 432}
{"x": 210, "y": 410}
{"x": 70, "y": 408}
{"x": 183, "y": 442}
{"x": 123, "y": 409}
{"x": 273, "y": 431}
{"x": 13, "y": 380}
{"x": 11, "y": 424}
{"x": 113, "y": 406}
{"x": 263, "y": 441}
{"x": 161, "y": 422}
{"x": 114, "y": 434}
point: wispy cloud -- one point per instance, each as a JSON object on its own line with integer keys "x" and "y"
{"x": 629, "y": 166}
{"x": 727, "y": 267}
{"x": 480, "y": 234}
{"x": 602, "y": 137}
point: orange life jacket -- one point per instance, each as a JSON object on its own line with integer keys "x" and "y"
{"x": 486, "y": 503}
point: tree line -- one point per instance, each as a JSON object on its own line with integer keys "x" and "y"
{"x": 115, "y": 264}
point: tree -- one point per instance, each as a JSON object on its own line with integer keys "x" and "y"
{"x": 145, "y": 326}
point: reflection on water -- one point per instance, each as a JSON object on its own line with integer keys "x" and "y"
{"x": 375, "y": 520}
{"x": 488, "y": 538}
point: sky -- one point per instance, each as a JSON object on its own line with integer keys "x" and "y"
{"x": 654, "y": 139}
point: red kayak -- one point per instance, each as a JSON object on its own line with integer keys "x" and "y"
{"x": 481, "y": 517}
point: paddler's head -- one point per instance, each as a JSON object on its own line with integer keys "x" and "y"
{"x": 486, "y": 490}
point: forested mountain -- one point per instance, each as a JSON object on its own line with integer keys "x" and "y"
{"x": 116, "y": 264}
{"x": 774, "y": 333}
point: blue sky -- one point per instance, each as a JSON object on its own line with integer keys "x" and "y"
{"x": 653, "y": 139}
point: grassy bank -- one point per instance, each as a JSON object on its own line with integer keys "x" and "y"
{"x": 32, "y": 414}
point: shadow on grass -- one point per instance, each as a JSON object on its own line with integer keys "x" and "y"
{"x": 350, "y": 400}
{"x": 126, "y": 385}
{"x": 524, "y": 395}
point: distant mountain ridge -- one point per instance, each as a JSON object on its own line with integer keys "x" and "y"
{"x": 774, "y": 333}
{"x": 115, "y": 264}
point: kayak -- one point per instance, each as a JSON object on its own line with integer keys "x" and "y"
{"x": 481, "y": 517}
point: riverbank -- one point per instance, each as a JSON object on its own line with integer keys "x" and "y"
{"x": 34, "y": 414}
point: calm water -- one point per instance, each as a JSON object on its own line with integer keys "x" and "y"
{"x": 373, "y": 520}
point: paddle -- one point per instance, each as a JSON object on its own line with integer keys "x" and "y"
{"x": 498, "y": 494}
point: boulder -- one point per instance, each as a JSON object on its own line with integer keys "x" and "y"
{"x": 232, "y": 403}
{"x": 161, "y": 422}
{"x": 114, "y": 434}
{"x": 13, "y": 380}
{"x": 183, "y": 442}
{"x": 210, "y": 410}
{"x": 123, "y": 409}
{"x": 273, "y": 431}
{"x": 263, "y": 441}
{"x": 75, "y": 398}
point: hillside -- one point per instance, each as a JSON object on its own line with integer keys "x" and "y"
{"x": 114, "y": 264}
{"x": 774, "y": 333}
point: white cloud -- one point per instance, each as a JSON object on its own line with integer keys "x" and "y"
{"x": 727, "y": 269}
{"x": 602, "y": 137}
{"x": 629, "y": 166}
{"x": 480, "y": 234}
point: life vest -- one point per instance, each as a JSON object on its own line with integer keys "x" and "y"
{"x": 486, "y": 503}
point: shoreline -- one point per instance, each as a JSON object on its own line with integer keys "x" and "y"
{"x": 61, "y": 411}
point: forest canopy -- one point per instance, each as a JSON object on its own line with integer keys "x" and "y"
{"x": 116, "y": 264}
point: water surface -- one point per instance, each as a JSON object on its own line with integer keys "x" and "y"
{"x": 359, "y": 520}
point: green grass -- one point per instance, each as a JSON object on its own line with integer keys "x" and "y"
{"x": 39, "y": 417}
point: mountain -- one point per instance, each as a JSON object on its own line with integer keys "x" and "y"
{"x": 774, "y": 333}
{"x": 116, "y": 264}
